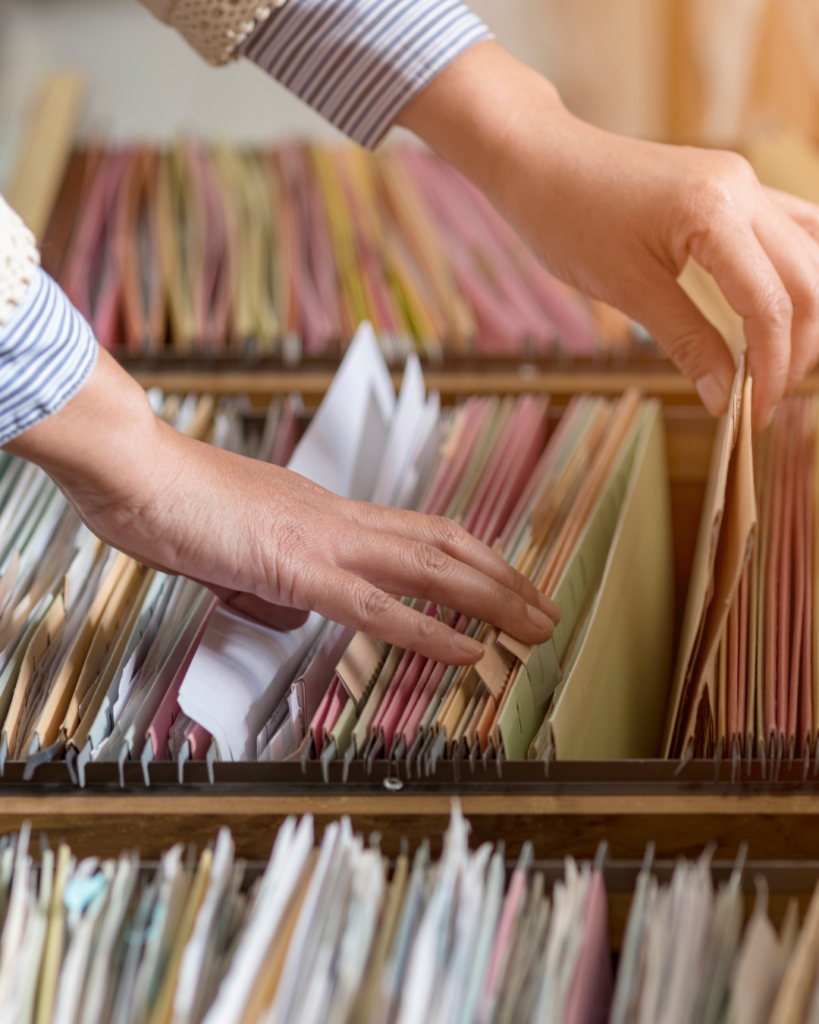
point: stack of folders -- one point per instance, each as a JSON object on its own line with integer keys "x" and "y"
{"x": 91, "y": 642}
{"x": 583, "y": 510}
{"x": 746, "y": 684}
{"x": 335, "y": 933}
{"x": 209, "y": 251}
{"x": 104, "y": 660}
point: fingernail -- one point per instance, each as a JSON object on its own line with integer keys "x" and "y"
{"x": 714, "y": 393}
{"x": 466, "y": 645}
{"x": 539, "y": 618}
{"x": 551, "y": 609}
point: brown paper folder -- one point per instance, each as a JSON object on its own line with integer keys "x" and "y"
{"x": 117, "y": 613}
{"x": 91, "y": 704}
{"x": 700, "y": 588}
{"x": 724, "y": 546}
{"x": 359, "y": 665}
{"x": 793, "y": 998}
{"x": 706, "y": 295}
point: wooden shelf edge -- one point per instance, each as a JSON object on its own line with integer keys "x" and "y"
{"x": 315, "y": 383}
{"x": 776, "y": 826}
{"x": 199, "y": 804}
{"x": 451, "y": 383}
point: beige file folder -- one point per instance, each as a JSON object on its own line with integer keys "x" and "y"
{"x": 612, "y": 700}
{"x": 612, "y": 703}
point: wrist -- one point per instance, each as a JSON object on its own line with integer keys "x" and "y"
{"x": 104, "y": 441}
{"x": 483, "y": 111}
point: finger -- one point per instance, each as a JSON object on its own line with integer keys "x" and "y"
{"x": 805, "y": 213}
{"x": 410, "y": 568}
{"x": 693, "y": 344}
{"x": 274, "y": 615}
{"x": 355, "y": 602}
{"x": 795, "y": 255}
{"x": 453, "y": 540}
{"x": 750, "y": 283}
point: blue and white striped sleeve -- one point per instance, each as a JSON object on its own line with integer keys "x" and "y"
{"x": 47, "y": 351}
{"x": 359, "y": 62}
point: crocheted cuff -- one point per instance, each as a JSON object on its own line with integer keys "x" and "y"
{"x": 47, "y": 352}
{"x": 359, "y": 62}
{"x": 18, "y": 261}
{"x": 215, "y": 28}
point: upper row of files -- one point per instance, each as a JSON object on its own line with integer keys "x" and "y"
{"x": 102, "y": 659}
{"x": 332, "y": 932}
{"x": 202, "y": 251}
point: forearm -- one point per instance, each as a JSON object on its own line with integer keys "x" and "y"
{"x": 504, "y": 126}
{"x": 485, "y": 114}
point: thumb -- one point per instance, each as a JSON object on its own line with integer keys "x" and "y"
{"x": 693, "y": 344}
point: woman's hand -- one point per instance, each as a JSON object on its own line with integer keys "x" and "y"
{"x": 618, "y": 218}
{"x": 273, "y": 543}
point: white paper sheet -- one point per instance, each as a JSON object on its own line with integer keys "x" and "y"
{"x": 343, "y": 447}
{"x": 284, "y": 871}
{"x": 238, "y": 676}
{"x": 424, "y": 446}
{"x": 406, "y": 420}
{"x": 194, "y": 958}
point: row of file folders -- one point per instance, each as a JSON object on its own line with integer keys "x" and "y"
{"x": 104, "y": 660}
{"x": 211, "y": 250}
{"x": 332, "y": 932}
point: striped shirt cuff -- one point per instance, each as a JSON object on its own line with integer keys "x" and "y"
{"x": 47, "y": 351}
{"x": 359, "y": 62}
